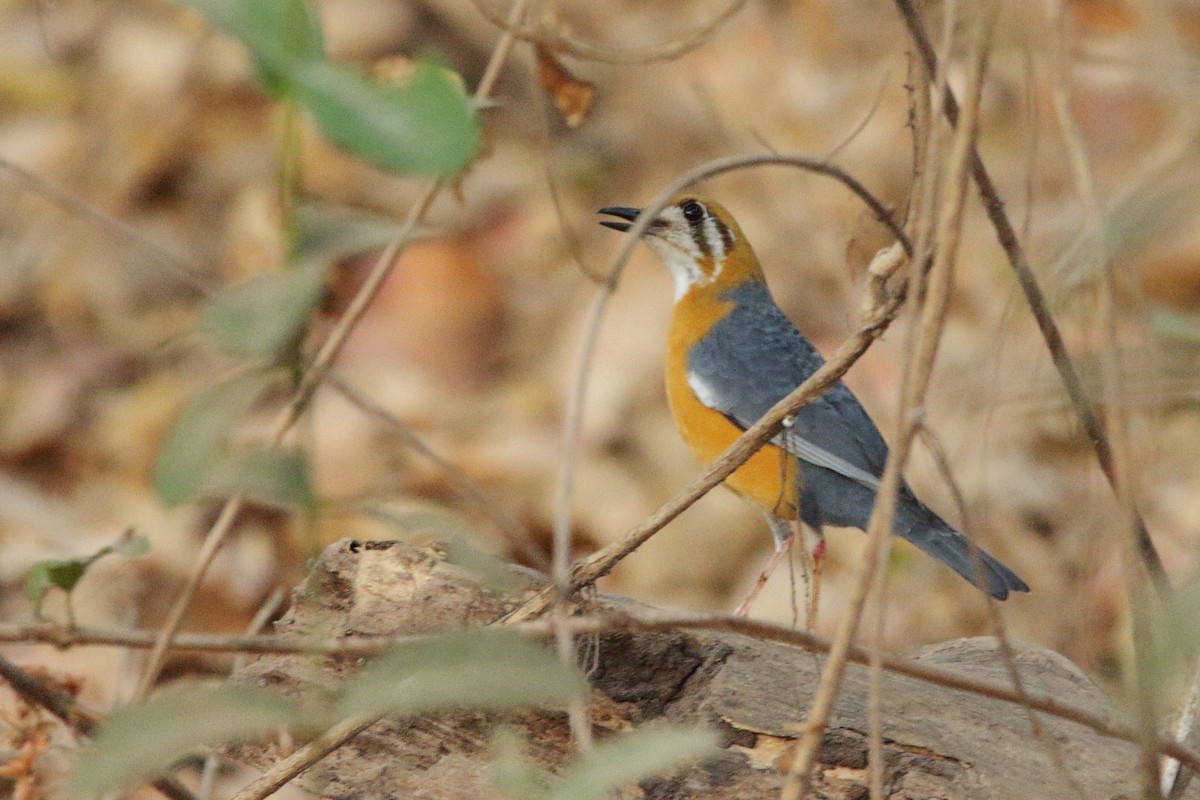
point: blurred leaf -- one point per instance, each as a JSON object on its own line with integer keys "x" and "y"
{"x": 278, "y": 33}
{"x": 511, "y": 772}
{"x": 426, "y": 126}
{"x": 328, "y": 234}
{"x": 63, "y": 574}
{"x": 632, "y": 757}
{"x": 479, "y": 669}
{"x": 273, "y": 477}
{"x": 128, "y": 545}
{"x": 45, "y": 574}
{"x": 146, "y": 739}
{"x": 258, "y": 317}
{"x": 66, "y": 573}
{"x": 493, "y": 572}
{"x": 1173, "y": 325}
{"x": 407, "y": 520}
{"x": 1166, "y": 659}
{"x": 201, "y": 432}
{"x": 37, "y": 583}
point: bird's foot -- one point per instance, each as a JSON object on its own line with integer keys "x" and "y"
{"x": 784, "y": 547}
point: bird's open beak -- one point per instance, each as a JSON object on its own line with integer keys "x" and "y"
{"x": 623, "y": 212}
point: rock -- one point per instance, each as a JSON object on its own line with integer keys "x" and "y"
{"x": 938, "y": 742}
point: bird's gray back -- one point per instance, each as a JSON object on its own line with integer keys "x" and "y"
{"x": 754, "y": 357}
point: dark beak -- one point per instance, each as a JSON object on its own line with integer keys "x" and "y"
{"x": 619, "y": 211}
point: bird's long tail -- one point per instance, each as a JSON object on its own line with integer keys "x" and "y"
{"x": 938, "y": 539}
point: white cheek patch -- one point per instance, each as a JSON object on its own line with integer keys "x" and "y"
{"x": 712, "y": 237}
{"x": 680, "y": 258}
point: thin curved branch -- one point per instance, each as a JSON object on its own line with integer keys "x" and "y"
{"x": 923, "y": 342}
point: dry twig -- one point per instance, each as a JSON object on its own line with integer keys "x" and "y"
{"x": 1007, "y": 238}
{"x": 922, "y": 351}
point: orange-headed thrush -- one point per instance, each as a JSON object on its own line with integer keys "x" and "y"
{"x": 732, "y": 354}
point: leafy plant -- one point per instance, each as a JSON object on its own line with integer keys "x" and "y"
{"x": 65, "y": 574}
{"x": 478, "y": 669}
{"x": 610, "y": 764}
{"x": 147, "y": 739}
{"x": 200, "y": 435}
{"x": 424, "y": 126}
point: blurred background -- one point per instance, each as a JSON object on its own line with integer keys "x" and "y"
{"x": 139, "y": 171}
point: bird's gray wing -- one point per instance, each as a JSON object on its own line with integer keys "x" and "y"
{"x": 753, "y": 358}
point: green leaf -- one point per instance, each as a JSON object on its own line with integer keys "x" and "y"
{"x": 278, "y": 33}
{"x": 479, "y": 669}
{"x": 427, "y": 126}
{"x": 37, "y": 583}
{"x": 65, "y": 574}
{"x": 329, "y": 234}
{"x": 629, "y": 758}
{"x": 45, "y": 574}
{"x": 128, "y": 545}
{"x": 201, "y": 432}
{"x": 1174, "y": 325}
{"x": 510, "y": 771}
{"x": 146, "y": 739}
{"x": 273, "y": 477}
{"x": 258, "y": 317}
{"x": 493, "y": 572}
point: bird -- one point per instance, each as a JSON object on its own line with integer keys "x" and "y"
{"x": 732, "y": 353}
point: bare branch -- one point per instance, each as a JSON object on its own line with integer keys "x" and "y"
{"x": 1007, "y": 238}
{"x": 923, "y": 346}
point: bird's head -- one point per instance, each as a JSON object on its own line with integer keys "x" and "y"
{"x": 698, "y": 240}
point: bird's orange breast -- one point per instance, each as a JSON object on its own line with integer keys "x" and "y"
{"x": 769, "y": 477}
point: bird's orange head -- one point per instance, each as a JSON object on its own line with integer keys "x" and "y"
{"x": 698, "y": 240}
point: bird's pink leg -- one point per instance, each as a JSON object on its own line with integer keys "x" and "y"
{"x": 812, "y": 554}
{"x": 781, "y": 549}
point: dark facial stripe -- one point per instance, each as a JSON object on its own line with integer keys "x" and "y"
{"x": 697, "y": 226}
{"x": 726, "y": 236}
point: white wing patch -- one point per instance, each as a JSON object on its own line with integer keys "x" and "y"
{"x": 790, "y": 441}
{"x": 819, "y": 456}
{"x": 704, "y": 391}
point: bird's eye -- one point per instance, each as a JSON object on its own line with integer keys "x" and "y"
{"x": 693, "y": 211}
